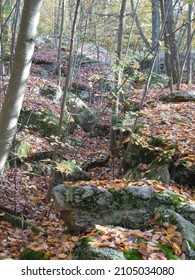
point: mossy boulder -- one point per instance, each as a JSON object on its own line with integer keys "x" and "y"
{"x": 45, "y": 122}
{"x": 91, "y": 247}
{"x": 84, "y": 116}
{"x": 181, "y": 96}
{"x": 183, "y": 174}
{"x": 151, "y": 160}
{"x": 64, "y": 170}
{"x": 131, "y": 206}
{"x": 154, "y": 171}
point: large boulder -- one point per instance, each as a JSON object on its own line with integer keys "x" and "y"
{"x": 45, "y": 122}
{"x": 180, "y": 96}
{"x": 84, "y": 116}
{"x": 86, "y": 252}
{"x": 83, "y": 207}
{"x": 117, "y": 243}
{"x": 152, "y": 160}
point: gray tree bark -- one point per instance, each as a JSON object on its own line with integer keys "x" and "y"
{"x": 113, "y": 142}
{"x": 156, "y": 30}
{"x": 139, "y": 26}
{"x": 189, "y": 59}
{"x": 171, "y": 53}
{"x": 21, "y": 67}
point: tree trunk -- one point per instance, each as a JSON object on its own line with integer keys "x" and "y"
{"x": 63, "y": 4}
{"x": 189, "y": 59}
{"x": 65, "y": 93}
{"x": 171, "y": 52}
{"x": 132, "y": 25}
{"x": 113, "y": 142}
{"x": 21, "y": 67}
{"x": 139, "y": 26}
{"x": 155, "y": 30}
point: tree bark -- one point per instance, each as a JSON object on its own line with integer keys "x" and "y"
{"x": 21, "y": 67}
{"x": 156, "y": 30}
{"x": 189, "y": 59}
{"x": 113, "y": 142}
{"x": 171, "y": 53}
{"x": 139, "y": 26}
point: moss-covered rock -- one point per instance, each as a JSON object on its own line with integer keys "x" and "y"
{"x": 131, "y": 207}
{"x": 83, "y": 115}
{"x": 183, "y": 174}
{"x": 45, "y": 122}
{"x": 84, "y": 251}
{"x": 151, "y": 160}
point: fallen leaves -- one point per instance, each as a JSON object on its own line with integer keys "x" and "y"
{"x": 148, "y": 243}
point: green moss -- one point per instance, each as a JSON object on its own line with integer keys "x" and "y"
{"x": 84, "y": 242}
{"x": 172, "y": 219}
{"x": 132, "y": 255}
{"x": 28, "y": 254}
{"x": 170, "y": 198}
{"x": 157, "y": 142}
{"x": 168, "y": 251}
{"x": 192, "y": 245}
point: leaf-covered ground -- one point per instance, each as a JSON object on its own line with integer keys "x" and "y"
{"x": 24, "y": 193}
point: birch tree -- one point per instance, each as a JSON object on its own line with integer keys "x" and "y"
{"x": 21, "y": 67}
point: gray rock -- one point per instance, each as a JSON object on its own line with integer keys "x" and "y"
{"x": 187, "y": 230}
{"x": 97, "y": 253}
{"x": 131, "y": 207}
{"x": 181, "y": 96}
{"x": 83, "y": 115}
{"x": 53, "y": 94}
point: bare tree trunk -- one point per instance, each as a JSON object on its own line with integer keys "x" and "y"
{"x": 60, "y": 40}
{"x": 113, "y": 142}
{"x": 189, "y": 40}
{"x": 132, "y": 25}
{"x": 21, "y": 67}
{"x": 186, "y": 57}
{"x": 139, "y": 26}
{"x": 156, "y": 30}
{"x": 66, "y": 89}
{"x": 171, "y": 53}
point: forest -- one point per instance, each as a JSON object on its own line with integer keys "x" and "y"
{"x": 97, "y": 130}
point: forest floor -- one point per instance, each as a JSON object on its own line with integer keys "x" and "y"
{"x": 24, "y": 193}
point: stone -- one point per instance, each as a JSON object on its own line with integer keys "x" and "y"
{"x": 84, "y": 116}
{"x": 87, "y": 252}
{"x": 53, "y": 93}
{"x": 187, "y": 230}
{"x": 181, "y": 96}
{"x": 131, "y": 207}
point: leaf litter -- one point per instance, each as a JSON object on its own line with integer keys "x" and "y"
{"x": 25, "y": 193}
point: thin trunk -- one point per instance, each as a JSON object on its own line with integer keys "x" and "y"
{"x": 139, "y": 26}
{"x": 113, "y": 142}
{"x": 64, "y": 97}
{"x": 132, "y": 25}
{"x": 156, "y": 30}
{"x": 171, "y": 53}
{"x": 60, "y": 41}
{"x": 21, "y": 67}
{"x": 189, "y": 40}
{"x": 185, "y": 59}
